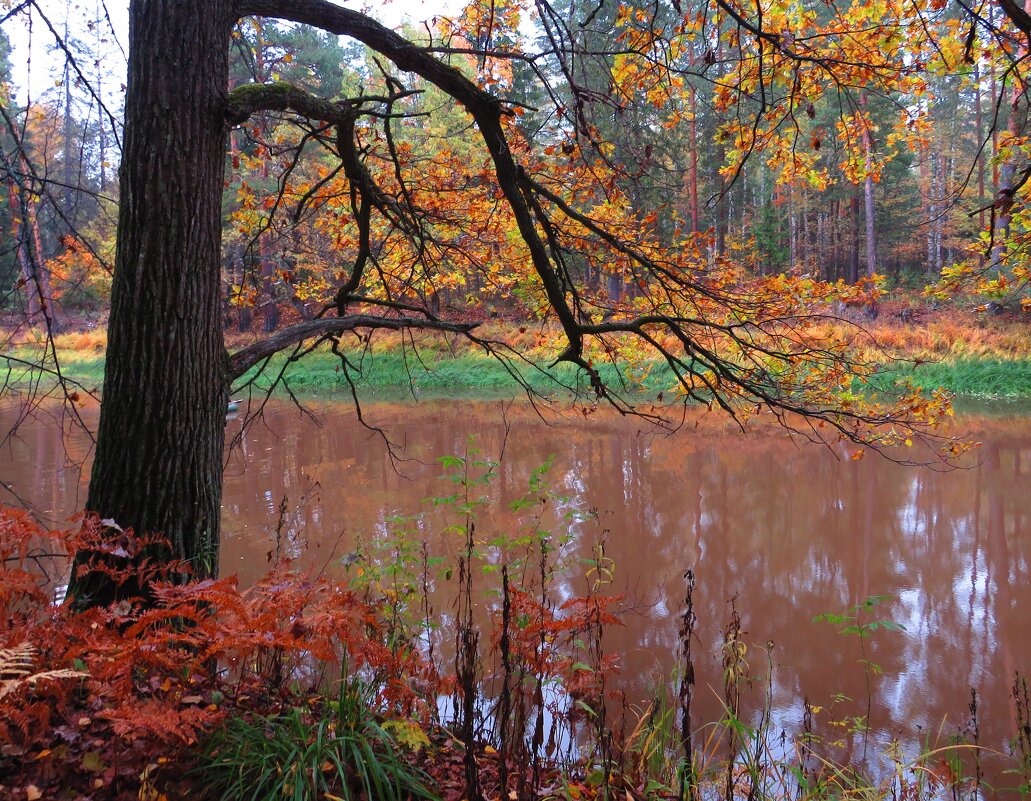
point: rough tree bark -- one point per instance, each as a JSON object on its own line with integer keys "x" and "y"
{"x": 158, "y": 460}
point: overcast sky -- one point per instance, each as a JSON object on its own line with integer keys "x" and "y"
{"x": 36, "y": 67}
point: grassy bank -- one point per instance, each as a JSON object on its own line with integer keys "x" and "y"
{"x": 968, "y": 377}
{"x": 974, "y": 366}
{"x": 434, "y": 373}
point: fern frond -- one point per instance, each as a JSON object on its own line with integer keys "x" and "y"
{"x": 16, "y": 665}
{"x": 7, "y": 687}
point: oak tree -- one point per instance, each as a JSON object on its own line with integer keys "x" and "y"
{"x": 553, "y": 204}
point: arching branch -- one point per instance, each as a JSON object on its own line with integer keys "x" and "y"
{"x": 1017, "y": 15}
{"x": 241, "y": 361}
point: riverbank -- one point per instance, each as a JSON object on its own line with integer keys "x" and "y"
{"x": 968, "y": 360}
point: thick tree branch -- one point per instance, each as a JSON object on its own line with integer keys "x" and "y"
{"x": 282, "y": 96}
{"x": 241, "y": 361}
{"x": 1017, "y": 15}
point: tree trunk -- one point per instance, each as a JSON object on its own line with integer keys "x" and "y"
{"x": 68, "y": 195}
{"x": 159, "y": 445}
{"x": 20, "y": 231}
{"x": 692, "y": 172}
{"x": 871, "y": 229}
{"x": 979, "y": 123}
{"x": 792, "y": 229}
{"x": 853, "y": 255}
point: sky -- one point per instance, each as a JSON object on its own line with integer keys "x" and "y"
{"x": 36, "y": 67}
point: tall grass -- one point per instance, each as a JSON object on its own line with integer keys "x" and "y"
{"x": 967, "y": 377}
{"x": 340, "y": 751}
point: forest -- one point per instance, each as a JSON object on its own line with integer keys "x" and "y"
{"x": 250, "y": 247}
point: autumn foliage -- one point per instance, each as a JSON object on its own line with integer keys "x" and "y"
{"x": 105, "y": 702}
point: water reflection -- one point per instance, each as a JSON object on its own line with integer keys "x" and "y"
{"x": 789, "y": 532}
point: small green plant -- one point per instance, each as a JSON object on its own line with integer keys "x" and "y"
{"x": 389, "y": 572}
{"x": 338, "y": 751}
{"x": 857, "y": 622}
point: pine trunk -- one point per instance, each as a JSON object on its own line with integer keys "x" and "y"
{"x": 853, "y": 255}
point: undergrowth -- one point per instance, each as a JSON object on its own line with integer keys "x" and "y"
{"x": 331, "y": 749}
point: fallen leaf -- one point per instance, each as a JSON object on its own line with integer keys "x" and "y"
{"x": 93, "y": 762}
{"x": 192, "y": 699}
{"x": 33, "y": 793}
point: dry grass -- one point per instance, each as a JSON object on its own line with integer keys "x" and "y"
{"x": 92, "y": 342}
{"x": 936, "y": 336}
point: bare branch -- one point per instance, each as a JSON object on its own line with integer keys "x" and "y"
{"x": 241, "y": 361}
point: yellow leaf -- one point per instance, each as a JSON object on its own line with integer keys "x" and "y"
{"x": 33, "y": 793}
{"x": 855, "y": 457}
{"x": 407, "y": 734}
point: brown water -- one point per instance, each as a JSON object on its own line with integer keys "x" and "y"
{"x": 789, "y": 531}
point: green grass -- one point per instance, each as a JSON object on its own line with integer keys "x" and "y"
{"x": 970, "y": 378}
{"x": 392, "y": 372}
{"x": 433, "y": 372}
{"x": 86, "y": 369}
{"x": 340, "y": 751}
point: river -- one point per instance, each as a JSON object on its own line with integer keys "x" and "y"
{"x": 788, "y": 531}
